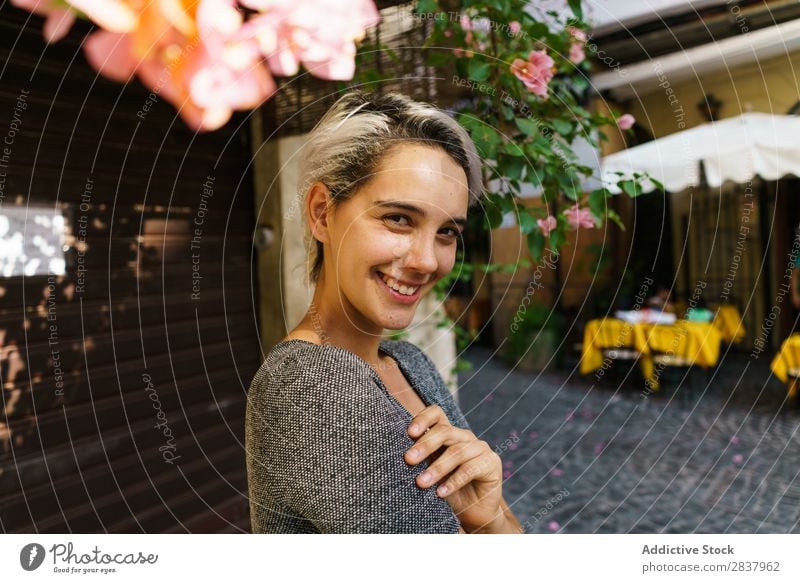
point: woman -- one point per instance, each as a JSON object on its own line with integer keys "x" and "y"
{"x": 347, "y": 432}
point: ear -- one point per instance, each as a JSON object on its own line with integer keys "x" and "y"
{"x": 318, "y": 207}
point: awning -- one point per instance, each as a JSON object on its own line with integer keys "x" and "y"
{"x": 733, "y": 149}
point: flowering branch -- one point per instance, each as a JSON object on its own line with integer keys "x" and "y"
{"x": 525, "y": 111}
{"x": 211, "y": 57}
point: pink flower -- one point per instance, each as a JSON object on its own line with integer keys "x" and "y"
{"x": 553, "y": 526}
{"x": 579, "y": 217}
{"x": 320, "y": 34}
{"x": 58, "y": 20}
{"x": 576, "y": 33}
{"x": 738, "y": 458}
{"x": 535, "y": 73}
{"x": 201, "y": 55}
{"x": 514, "y": 27}
{"x": 466, "y": 22}
{"x": 626, "y": 121}
{"x": 734, "y": 439}
{"x": 507, "y": 473}
{"x": 206, "y": 66}
{"x": 576, "y": 53}
{"x": 547, "y": 225}
{"x": 557, "y": 472}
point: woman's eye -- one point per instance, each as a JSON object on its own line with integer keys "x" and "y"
{"x": 394, "y": 219}
{"x": 452, "y": 232}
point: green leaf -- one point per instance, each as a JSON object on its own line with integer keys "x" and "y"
{"x": 513, "y": 149}
{"x": 478, "y": 70}
{"x": 527, "y": 126}
{"x": 494, "y": 216}
{"x": 597, "y": 204}
{"x": 616, "y": 218}
{"x": 469, "y": 121}
{"x": 538, "y": 29}
{"x": 533, "y": 176}
{"x": 512, "y": 167}
{"x": 527, "y": 223}
{"x": 507, "y": 204}
{"x": 658, "y": 184}
{"x": 425, "y": 6}
{"x": 557, "y": 238}
{"x": 630, "y": 187}
{"x": 577, "y": 10}
{"x": 486, "y": 141}
{"x": 536, "y": 244}
{"x": 569, "y": 184}
{"x": 563, "y": 127}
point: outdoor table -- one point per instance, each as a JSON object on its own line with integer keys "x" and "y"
{"x": 604, "y": 333}
{"x": 786, "y": 364}
{"x": 728, "y": 321}
{"x": 696, "y": 343}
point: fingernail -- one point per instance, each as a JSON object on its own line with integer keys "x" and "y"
{"x": 413, "y": 429}
{"x": 442, "y": 490}
{"x": 425, "y": 477}
{"x": 413, "y": 454}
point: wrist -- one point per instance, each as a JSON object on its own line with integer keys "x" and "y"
{"x": 499, "y": 524}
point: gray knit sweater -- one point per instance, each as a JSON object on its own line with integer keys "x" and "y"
{"x": 325, "y": 443}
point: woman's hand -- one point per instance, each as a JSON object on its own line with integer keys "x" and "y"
{"x": 469, "y": 473}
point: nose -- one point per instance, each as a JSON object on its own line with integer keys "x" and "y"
{"x": 421, "y": 255}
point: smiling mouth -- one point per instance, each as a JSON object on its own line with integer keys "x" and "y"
{"x": 399, "y": 290}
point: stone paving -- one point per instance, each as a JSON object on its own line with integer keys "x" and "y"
{"x": 585, "y": 456}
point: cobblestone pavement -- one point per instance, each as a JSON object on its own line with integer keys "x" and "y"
{"x": 585, "y": 455}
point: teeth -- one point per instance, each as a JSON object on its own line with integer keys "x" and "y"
{"x": 403, "y": 289}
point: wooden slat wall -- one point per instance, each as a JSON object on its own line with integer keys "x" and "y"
{"x": 88, "y": 460}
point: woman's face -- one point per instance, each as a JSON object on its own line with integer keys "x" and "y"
{"x": 396, "y": 236}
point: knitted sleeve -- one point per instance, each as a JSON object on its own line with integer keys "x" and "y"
{"x": 327, "y": 447}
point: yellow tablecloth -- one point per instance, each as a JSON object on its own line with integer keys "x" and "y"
{"x": 729, "y": 322}
{"x": 697, "y": 342}
{"x": 608, "y": 333}
{"x": 787, "y": 358}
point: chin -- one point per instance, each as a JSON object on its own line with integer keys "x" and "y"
{"x": 398, "y": 323}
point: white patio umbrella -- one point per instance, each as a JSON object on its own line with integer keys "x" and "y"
{"x": 736, "y": 149}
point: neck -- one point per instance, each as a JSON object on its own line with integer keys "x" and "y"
{"x": 334, "y": 321}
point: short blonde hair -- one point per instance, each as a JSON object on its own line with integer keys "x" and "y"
{"x": 346, "y": 146}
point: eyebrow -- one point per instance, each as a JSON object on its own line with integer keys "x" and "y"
{"x": 460, "y": 221}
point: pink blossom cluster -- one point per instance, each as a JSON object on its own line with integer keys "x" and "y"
{"x": 535, "y": 72}
{"x": 579, "y": 38}
{"x": 577, "y": 217}
{"x": 204, "y": 56}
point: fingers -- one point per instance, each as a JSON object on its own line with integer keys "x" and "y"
{"x": 452, "y": 458}
{"x": 437, "y": 437}
{"x": 427, "y": 418}
{"x": 486, "y": 466}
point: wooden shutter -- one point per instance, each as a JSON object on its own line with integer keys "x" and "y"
{"x": 80, "y": 449}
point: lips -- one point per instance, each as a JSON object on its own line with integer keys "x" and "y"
{"x": 402, "y": 298}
